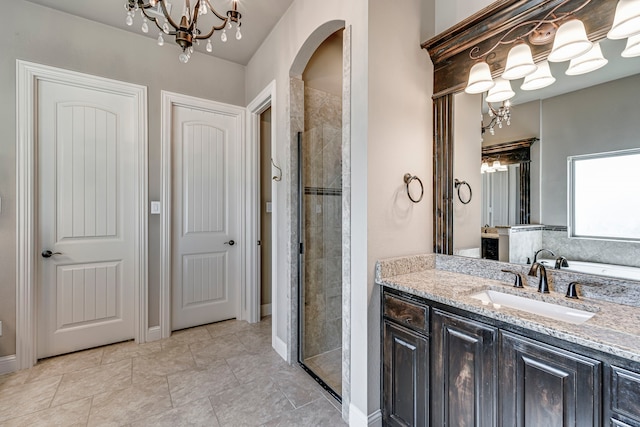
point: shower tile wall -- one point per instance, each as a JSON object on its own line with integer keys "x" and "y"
{"x": 322, "y": 181}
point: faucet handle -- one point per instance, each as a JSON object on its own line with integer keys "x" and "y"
{"x": 518, "y": 280}
{"x": 571, "y": 290}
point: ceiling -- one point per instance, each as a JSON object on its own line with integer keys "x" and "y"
{"x": 258, "y": 19}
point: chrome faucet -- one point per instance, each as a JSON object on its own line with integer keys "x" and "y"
{"x": 535, "y": 257}
{"x": 543, "y": 284}
{"x": 561, "y": 262}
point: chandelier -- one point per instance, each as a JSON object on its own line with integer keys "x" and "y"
{"x": 186, "y": 31}
{"x": 498, "y": 116}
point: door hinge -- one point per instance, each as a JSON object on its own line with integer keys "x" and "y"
{"x": 301, "y": 248}
{"x": 259, "y": 243}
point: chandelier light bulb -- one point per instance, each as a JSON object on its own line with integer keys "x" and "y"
{"x": 145, "y": 26}
{"x": 238, "y": 34}
{"x": 160, "y": 40}
{"x": 626, "y": 21}
{"x": 152, "y": 3}
{"x": 203, "y": 9}
{"x": 223, "y": 37}
{"x": 209, "y": 46}
{"x": 570, "y": 42}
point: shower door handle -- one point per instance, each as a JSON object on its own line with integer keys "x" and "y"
{"x": 230, "y": 243}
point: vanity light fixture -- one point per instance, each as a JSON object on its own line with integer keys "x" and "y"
{"x": 185, "y": 31}
{"x": 570, "y": 42}
{"x": 540, "y": 79}
{"x": 587, "y": 62}
{"x": 519, "y": 62}
{"x": 626, "y": 21}
{"x": 633, "y": 47}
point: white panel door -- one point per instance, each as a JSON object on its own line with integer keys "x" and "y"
{"x": 205, "y": 226}
{"x": 86, "y": 151}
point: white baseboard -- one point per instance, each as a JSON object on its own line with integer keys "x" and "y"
{"x": 375, "y": 419}
{"x": 265, "y": 310}
{"x": 8, "y": 364}
{"x": 280, "y": 347}
{"x": 154, "y": 334}
{"x": 358, "y": 419}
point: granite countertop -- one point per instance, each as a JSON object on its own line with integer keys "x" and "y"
{"x": 614, "y": 329}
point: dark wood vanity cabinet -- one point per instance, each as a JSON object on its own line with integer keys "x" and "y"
{"x": 445, "y": 369}
{"x": 405, "y": 373}
{"x": 545, "y": 386}
{"x": 463, "y": 380}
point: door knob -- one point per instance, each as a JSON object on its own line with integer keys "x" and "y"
{"x": 230, "y": 243}
{"x": 48, "y": 254}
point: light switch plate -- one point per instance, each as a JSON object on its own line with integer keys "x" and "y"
{"x": 155, "y": 208}
{"x": 269, "y": 207}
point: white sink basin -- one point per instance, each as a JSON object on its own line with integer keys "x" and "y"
{"x": 542, "y": 308}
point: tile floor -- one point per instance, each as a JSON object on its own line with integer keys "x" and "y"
{"x": 222, "y": 374}
{"x": 328, "y": 366}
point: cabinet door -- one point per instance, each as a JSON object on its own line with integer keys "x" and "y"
{"x": 463, "y": 385}
{"x": 405, "y": 376}
{"x": 622, "y": 397}
{"x": 544, "y": 386}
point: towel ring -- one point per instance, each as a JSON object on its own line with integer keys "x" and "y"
{"x": 407, "y": 180}
{"x": 459, "y": 184}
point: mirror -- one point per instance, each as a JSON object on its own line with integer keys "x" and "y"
{"x": 598, "y": 112}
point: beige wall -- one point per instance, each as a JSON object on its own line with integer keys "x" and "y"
{"x": 467, "y": 151}
{"x": 451, "y": 12}
{"x": 399, "y": 141}
{"x": 38, "y": 34}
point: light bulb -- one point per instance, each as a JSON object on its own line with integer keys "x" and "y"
{"x": 203, "y": 9}
{"x": 238, "y": 34}
{"x": 223, "y": 37}
{"x": 129, "y": 20}
{"x": 209, "y": 46}
{"x": 160, "y": 40}
{"x": 152, "y": 3}
{"x": 184, "y": 58}
{"x": 145, "y": 26}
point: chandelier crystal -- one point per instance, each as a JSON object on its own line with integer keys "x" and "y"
{"x": 186, "y": 31}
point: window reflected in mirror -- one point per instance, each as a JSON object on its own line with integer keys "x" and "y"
{"x": 604, "y": 202}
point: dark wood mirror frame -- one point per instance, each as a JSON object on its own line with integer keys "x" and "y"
{"x": 515, "y": 152}
{"x": 449, "y": 52}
